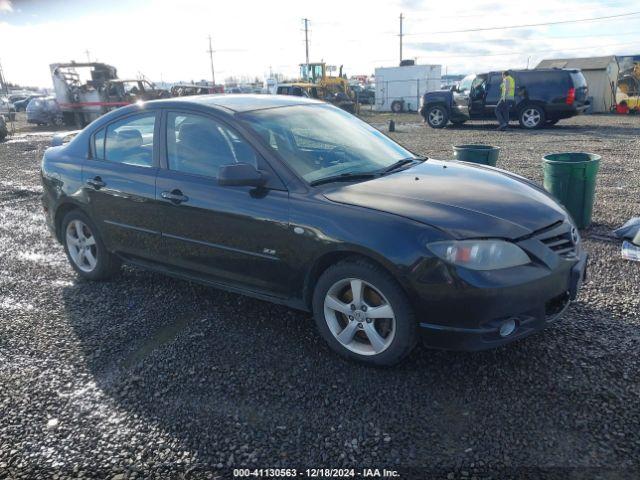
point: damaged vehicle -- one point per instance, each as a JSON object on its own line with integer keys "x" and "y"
{"x": 44, "y": 111}
{"x": 85, "y": 91}
{"x": 7, "y": 109}
{"x": 187, "y": 89}
{"x": 297, "y": 202}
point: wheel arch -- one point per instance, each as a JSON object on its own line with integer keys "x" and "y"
{"x": 437, "y": 103}
{"x": 328, "y": 259}
{"x": 62, "y": 210}
{"x": 529, "y": 103}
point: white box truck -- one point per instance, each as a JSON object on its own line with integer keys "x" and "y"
{"x": 399, "y": 89}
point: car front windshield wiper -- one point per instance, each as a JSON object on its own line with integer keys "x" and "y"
{"x": 343, "y": 177}
{"x": 401, "y": 163}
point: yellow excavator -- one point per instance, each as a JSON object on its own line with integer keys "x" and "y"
{"x": 332, "y": 89}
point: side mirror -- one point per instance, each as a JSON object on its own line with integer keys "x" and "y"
{"x": 240, "y": 175}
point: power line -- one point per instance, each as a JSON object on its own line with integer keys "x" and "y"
{"x": 508, "y": 27}
{"x": 591, "y": 7}
{"x": 516, "y": 53}
{"x": 535, "y": 51}
{"x": 565, "y": 37}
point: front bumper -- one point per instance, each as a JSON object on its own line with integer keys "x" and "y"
{"x": 474, "y": 323}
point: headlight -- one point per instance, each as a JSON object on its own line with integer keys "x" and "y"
{"x": 480, "y": 254}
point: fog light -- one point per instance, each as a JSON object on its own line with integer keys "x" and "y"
{"x": 507, "y": 327}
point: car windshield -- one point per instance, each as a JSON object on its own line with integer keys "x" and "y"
{"x": 321, "y": 141}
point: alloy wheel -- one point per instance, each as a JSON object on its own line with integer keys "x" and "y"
{"x": 436, "y": 117}
{"x": 81, "y": 244}
{"x": 531, "y": 117}
{"x": 359, "y": 316}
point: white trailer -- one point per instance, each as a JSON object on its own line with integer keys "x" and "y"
{"x": 399, "y": 89}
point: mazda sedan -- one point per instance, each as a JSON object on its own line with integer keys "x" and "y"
{"x": 297, "y": 202}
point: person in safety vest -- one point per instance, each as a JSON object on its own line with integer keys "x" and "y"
{"x": 507, "y": 99}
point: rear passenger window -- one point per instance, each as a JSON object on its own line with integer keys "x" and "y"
{"x": 131, "y": 140}
{"x": 200, "y": 145}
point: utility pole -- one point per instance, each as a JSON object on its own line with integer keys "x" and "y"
{"x": 3, "y": 83}
{"x": 88, "y": 55}
{"x": 401, "y": 18}
{"x": 306, "y": 39}
{"x": 213, "y": 75}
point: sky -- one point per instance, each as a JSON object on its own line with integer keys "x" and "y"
{"x": 168, "y": 39}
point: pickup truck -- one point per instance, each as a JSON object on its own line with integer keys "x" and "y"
{"x": 543, "y": 97}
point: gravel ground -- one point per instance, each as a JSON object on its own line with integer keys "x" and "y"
{"x": 153, "y": 377}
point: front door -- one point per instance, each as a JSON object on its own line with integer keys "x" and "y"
{"x": 235, "y": 235}
{"x": 477, "y": 96}
{"x": 120, "y": 182}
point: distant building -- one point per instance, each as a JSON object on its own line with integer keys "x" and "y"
{"x": 601, "y": 74}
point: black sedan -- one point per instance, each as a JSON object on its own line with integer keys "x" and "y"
{"x": 297, "y": 202}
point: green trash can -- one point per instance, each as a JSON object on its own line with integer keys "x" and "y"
{"x": 483, "y": 154}
{"x": 571, "y": 178}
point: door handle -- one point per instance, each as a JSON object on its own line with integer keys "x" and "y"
{"x": 96, "y": 182}
{"x": 174, "y": 196}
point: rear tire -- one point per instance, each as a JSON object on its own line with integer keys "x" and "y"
{"x": 531, "y": 117}
{"x": 85, "y": 249}
{"x": 342, "y": 317}
{"x": 397, "y": 106}
{"x": 437, "y": 116}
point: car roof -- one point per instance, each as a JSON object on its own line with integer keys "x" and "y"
{"x": 240, "y": 102}
{"x": 543, "y": 70}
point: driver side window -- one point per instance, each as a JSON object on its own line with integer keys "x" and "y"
{"x": 200, "y": 145}
{"x": 493, "y": 89}
{"x": 477, "y": 87}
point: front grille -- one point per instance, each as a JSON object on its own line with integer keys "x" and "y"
{"x": 558, "y": 238}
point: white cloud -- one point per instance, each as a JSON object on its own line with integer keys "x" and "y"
{"x": 168, "y": 39}
{"x": 5, "y": 6}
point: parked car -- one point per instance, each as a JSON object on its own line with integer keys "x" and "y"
{"x": 543, "y": 97}
{"x": 7, "y": 109}
{"x": 297, "y": 202}
{"x": 21, "y": 105}
{"x": 44, "y": 111}
{"x": 364, "y": 95}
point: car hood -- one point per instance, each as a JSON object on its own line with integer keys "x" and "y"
{"x": 464, "y": 200}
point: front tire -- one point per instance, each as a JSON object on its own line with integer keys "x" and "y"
{"x": 531, "y": 117}
{"x": 437, "y": 116}
{"x": 363, "y": 314}
{"x": 85, "y": 249}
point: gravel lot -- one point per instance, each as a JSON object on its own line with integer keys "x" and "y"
{"x": 153, "y": 377}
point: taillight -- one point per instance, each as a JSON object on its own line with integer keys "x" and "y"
{"x": 571, "y": 96}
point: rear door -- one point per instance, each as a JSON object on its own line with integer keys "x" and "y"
{"x": 238, "y": 236}
{"x": 492, "y": 96}
{"x": 119, "y": 180}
